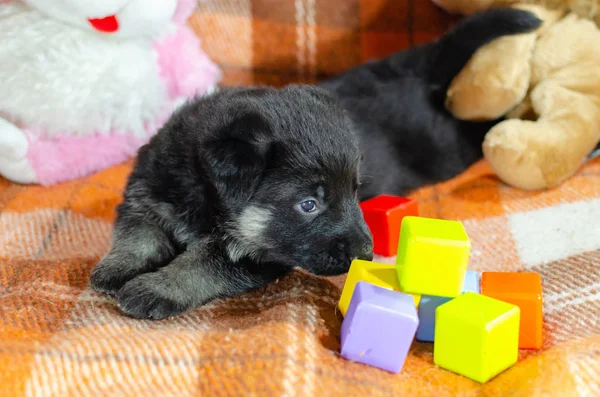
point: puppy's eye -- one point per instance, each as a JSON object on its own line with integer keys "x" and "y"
{"x": 308, "y": 206}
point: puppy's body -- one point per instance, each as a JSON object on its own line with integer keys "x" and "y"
{"x": 240, "y": 187}
{"x": 235, "y": 191}
{"x": 407, "y": 136}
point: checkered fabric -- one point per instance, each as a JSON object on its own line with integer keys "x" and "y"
{"x": 283, "y": 41}
{"x": 58, "y": 338}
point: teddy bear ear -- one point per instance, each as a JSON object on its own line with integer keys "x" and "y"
{"x": 184, "y": 9}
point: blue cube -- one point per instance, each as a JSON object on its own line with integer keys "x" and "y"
{"x": 428, "y": 305}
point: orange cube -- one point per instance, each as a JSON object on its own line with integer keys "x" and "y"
{"x": 383, "y": 214}
{"x": 523, "y": 290}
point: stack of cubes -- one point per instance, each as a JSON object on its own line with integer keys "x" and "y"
{"x": 476, "y": 321}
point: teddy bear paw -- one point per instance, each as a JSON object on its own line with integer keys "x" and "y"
{"x": 14, "y": 163}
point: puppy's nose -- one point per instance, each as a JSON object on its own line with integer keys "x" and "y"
{"x": 367, "y": 255}
{"x": 367, "y": 246}
{"x": 360, "y": 238}
{"x": 363, "y": 246}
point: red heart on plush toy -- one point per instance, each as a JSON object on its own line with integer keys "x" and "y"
{"x": 107, "y": 24}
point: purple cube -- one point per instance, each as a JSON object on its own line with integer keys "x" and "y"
{"x": 379, "y": 327}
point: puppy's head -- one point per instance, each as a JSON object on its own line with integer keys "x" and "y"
{"x": 286, "y": 169}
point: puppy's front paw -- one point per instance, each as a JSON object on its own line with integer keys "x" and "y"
{"x": 144, "y": 298}
{"x": 107, "y": 280}
{"x": 111, "y": 274}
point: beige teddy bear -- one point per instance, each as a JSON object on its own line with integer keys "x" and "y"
{"x": 545, "y": 83}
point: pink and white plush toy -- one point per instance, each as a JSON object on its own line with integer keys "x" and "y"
{"x": 85, "y": 83}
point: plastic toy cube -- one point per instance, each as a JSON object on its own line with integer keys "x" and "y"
{"x": 476, "y": 336}
{"x": 432, "y": 256}
{"x": 525, "y": 291}
{"x": 379, "y": 328}
{"x": 380, "y": 274}
{"x": 428, "y": 305}
{"x": 383, "y": 214}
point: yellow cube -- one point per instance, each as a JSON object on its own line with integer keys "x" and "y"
{"x": 379, "y": 274}
{"x": 433, "y": 255}
{"x": 476, "y": 336}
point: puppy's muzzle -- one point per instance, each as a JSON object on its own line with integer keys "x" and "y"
{"x": 361, "y": 240}
{"x": 362, "y": 247}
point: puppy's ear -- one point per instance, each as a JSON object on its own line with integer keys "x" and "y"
{"x": 238, "y": 156}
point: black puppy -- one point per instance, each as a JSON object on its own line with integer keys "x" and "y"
{"x": 240, "y": 187}
{"x": 235, "y": 191}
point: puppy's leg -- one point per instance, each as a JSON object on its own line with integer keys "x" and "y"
{"x": 195, "y": 277}
{"x": 138, "y": 246}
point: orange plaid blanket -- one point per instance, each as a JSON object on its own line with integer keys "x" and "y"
{"x": 58, "y": 338}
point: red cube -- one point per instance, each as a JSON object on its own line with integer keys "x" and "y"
{"x": 383, "y": 215}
